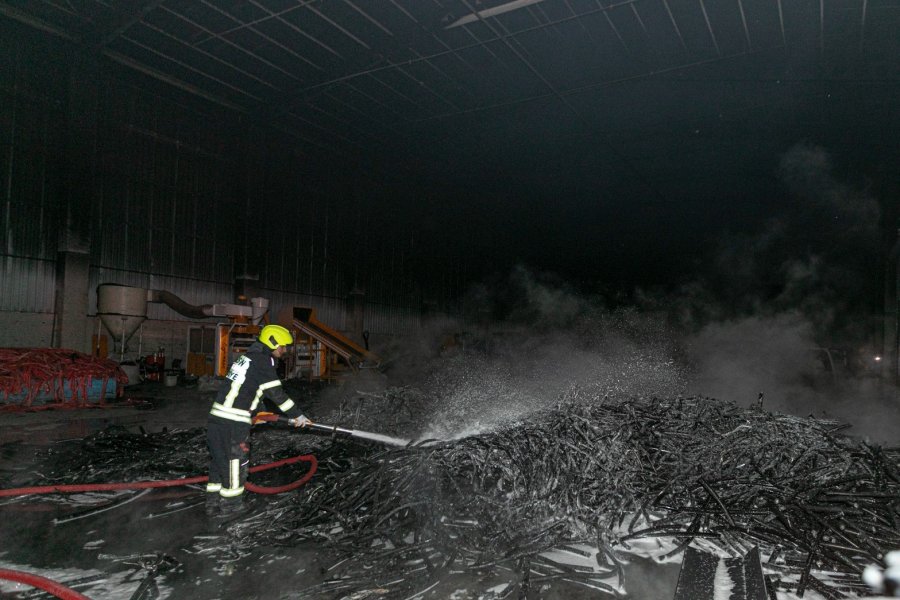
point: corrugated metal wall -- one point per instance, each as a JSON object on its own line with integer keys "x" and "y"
{"x": 28, "y": 284}
{"x": 166, "y": 195}
{"x": 29, "y": 218}
{"x": 386, "y": 319}
{"x": 188, "y": 198}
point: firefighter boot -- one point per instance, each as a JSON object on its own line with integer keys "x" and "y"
{"x": 213, "y": 504}
{"x": 233, "y": 508}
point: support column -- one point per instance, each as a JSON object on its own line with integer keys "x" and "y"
{"x": 73, "y": 328}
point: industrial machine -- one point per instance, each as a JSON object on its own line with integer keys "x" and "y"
{"x": 212, "y": 349}
{"x": 322, "y": 353}
{"x": 122, "y": 309}
{"x": 319, "y": 352}
{"x": 232, "y": 340}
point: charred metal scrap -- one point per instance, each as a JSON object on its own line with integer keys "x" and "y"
{"x": 607, "y": 474}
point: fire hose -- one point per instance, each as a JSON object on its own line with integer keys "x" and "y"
{"x": 65, "y": 593}
{"x": 48, "y": 585}
{"x": 333, "y": 430}
{"x": 139, "y": 485}
{"x": 263, "y": 416}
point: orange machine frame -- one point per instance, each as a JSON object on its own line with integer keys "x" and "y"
{"x": 226, "y": 333}
{"x": 325, "y": 347}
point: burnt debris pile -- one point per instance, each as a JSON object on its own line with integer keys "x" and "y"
{"x": 602, "y": 475}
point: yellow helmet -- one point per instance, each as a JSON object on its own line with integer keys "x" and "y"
{"x": 275, "y": 335}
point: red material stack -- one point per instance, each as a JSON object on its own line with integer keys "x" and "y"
{"x": 56, "y": 377}
{"x": 154, "y": 365}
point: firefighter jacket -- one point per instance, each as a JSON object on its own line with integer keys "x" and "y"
{"x": 251, "y": 377}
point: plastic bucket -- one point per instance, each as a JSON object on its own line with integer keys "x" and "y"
{"x": 171, "y": 379}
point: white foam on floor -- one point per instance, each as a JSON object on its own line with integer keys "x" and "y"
{"x": 107, "y": 586}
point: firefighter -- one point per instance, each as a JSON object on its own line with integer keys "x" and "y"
{"x": 251, "y": 377}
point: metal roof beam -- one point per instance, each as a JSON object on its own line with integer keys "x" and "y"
{"x": 709, "y": 27}
{"x": 229, "y": 43}
{"x": 744, "y": 23}
{"x": 427, "y": 87}
{"x": 129, "y": 62}
{"x": 640, "y": 21}
{"x": 601, "y": 84}
{"x": 291, "y": 102}
{"x": 862, "y": 25}
{"x": 210, "y": 56}
{"x": 124, "y": 17}
{"x": 475, "y": 16}
{"x": 293, "y": 27}
{"x": 821, "y": 26}
{"x": 250, "y": 24}
{"x": 35, "y": 22}
{"x": 191, "y": 68}
{"x": 477, "y": 43}
{"x": 612, "y": 26}
{"x": 392, "y": 89}
{"x": 368, "y": 17}
{"x": 122, "y": 59}
{"x": 440, "y": 42}
{"x": 228, "y": 15}
{"x": 626, "y": 161}
{"x": 675, "y": 24}
{"x": 781, "y": 23}
{"x": 337, "y": 26}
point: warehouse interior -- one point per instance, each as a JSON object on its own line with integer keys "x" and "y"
{"x": 548, "y": 245}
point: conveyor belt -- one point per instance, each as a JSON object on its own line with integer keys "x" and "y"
{"x": 306, "y": 322}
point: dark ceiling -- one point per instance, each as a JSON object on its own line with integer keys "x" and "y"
{"x": 681, "y": 108}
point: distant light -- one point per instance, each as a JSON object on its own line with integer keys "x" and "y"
{"x": 492, "y": 12}
{"x": 877, "y": 359}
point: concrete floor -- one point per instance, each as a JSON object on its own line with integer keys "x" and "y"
{"x": 125, "y": 553}
{"x": 110, "y": 554}
{"x": 114, "y": 554}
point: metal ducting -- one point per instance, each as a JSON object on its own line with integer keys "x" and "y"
{"x": 180, "y": 306}
{"x": 123, "y": 308}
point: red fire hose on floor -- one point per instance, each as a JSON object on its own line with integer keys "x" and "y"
{"x": 48, "y": 585}
{"x": 140, "y": 485}
{"x": 60, "y": 591}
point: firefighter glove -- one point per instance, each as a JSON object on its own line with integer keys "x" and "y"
{"x": 300, "y": 421}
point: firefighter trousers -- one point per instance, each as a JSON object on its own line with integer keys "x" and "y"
{"x": 229, "y": 450}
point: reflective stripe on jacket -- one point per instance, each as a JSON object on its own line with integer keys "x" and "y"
{"x": 251, "y": 377}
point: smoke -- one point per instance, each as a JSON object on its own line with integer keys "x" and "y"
{"x": 808, "y": 173}
{"x": 781, "y": 310}
{"x": 546, "y": 344}
{"x": 819, "y": 255}
{"x": 738, "y": 359}
{"x": 789, "y": 310}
